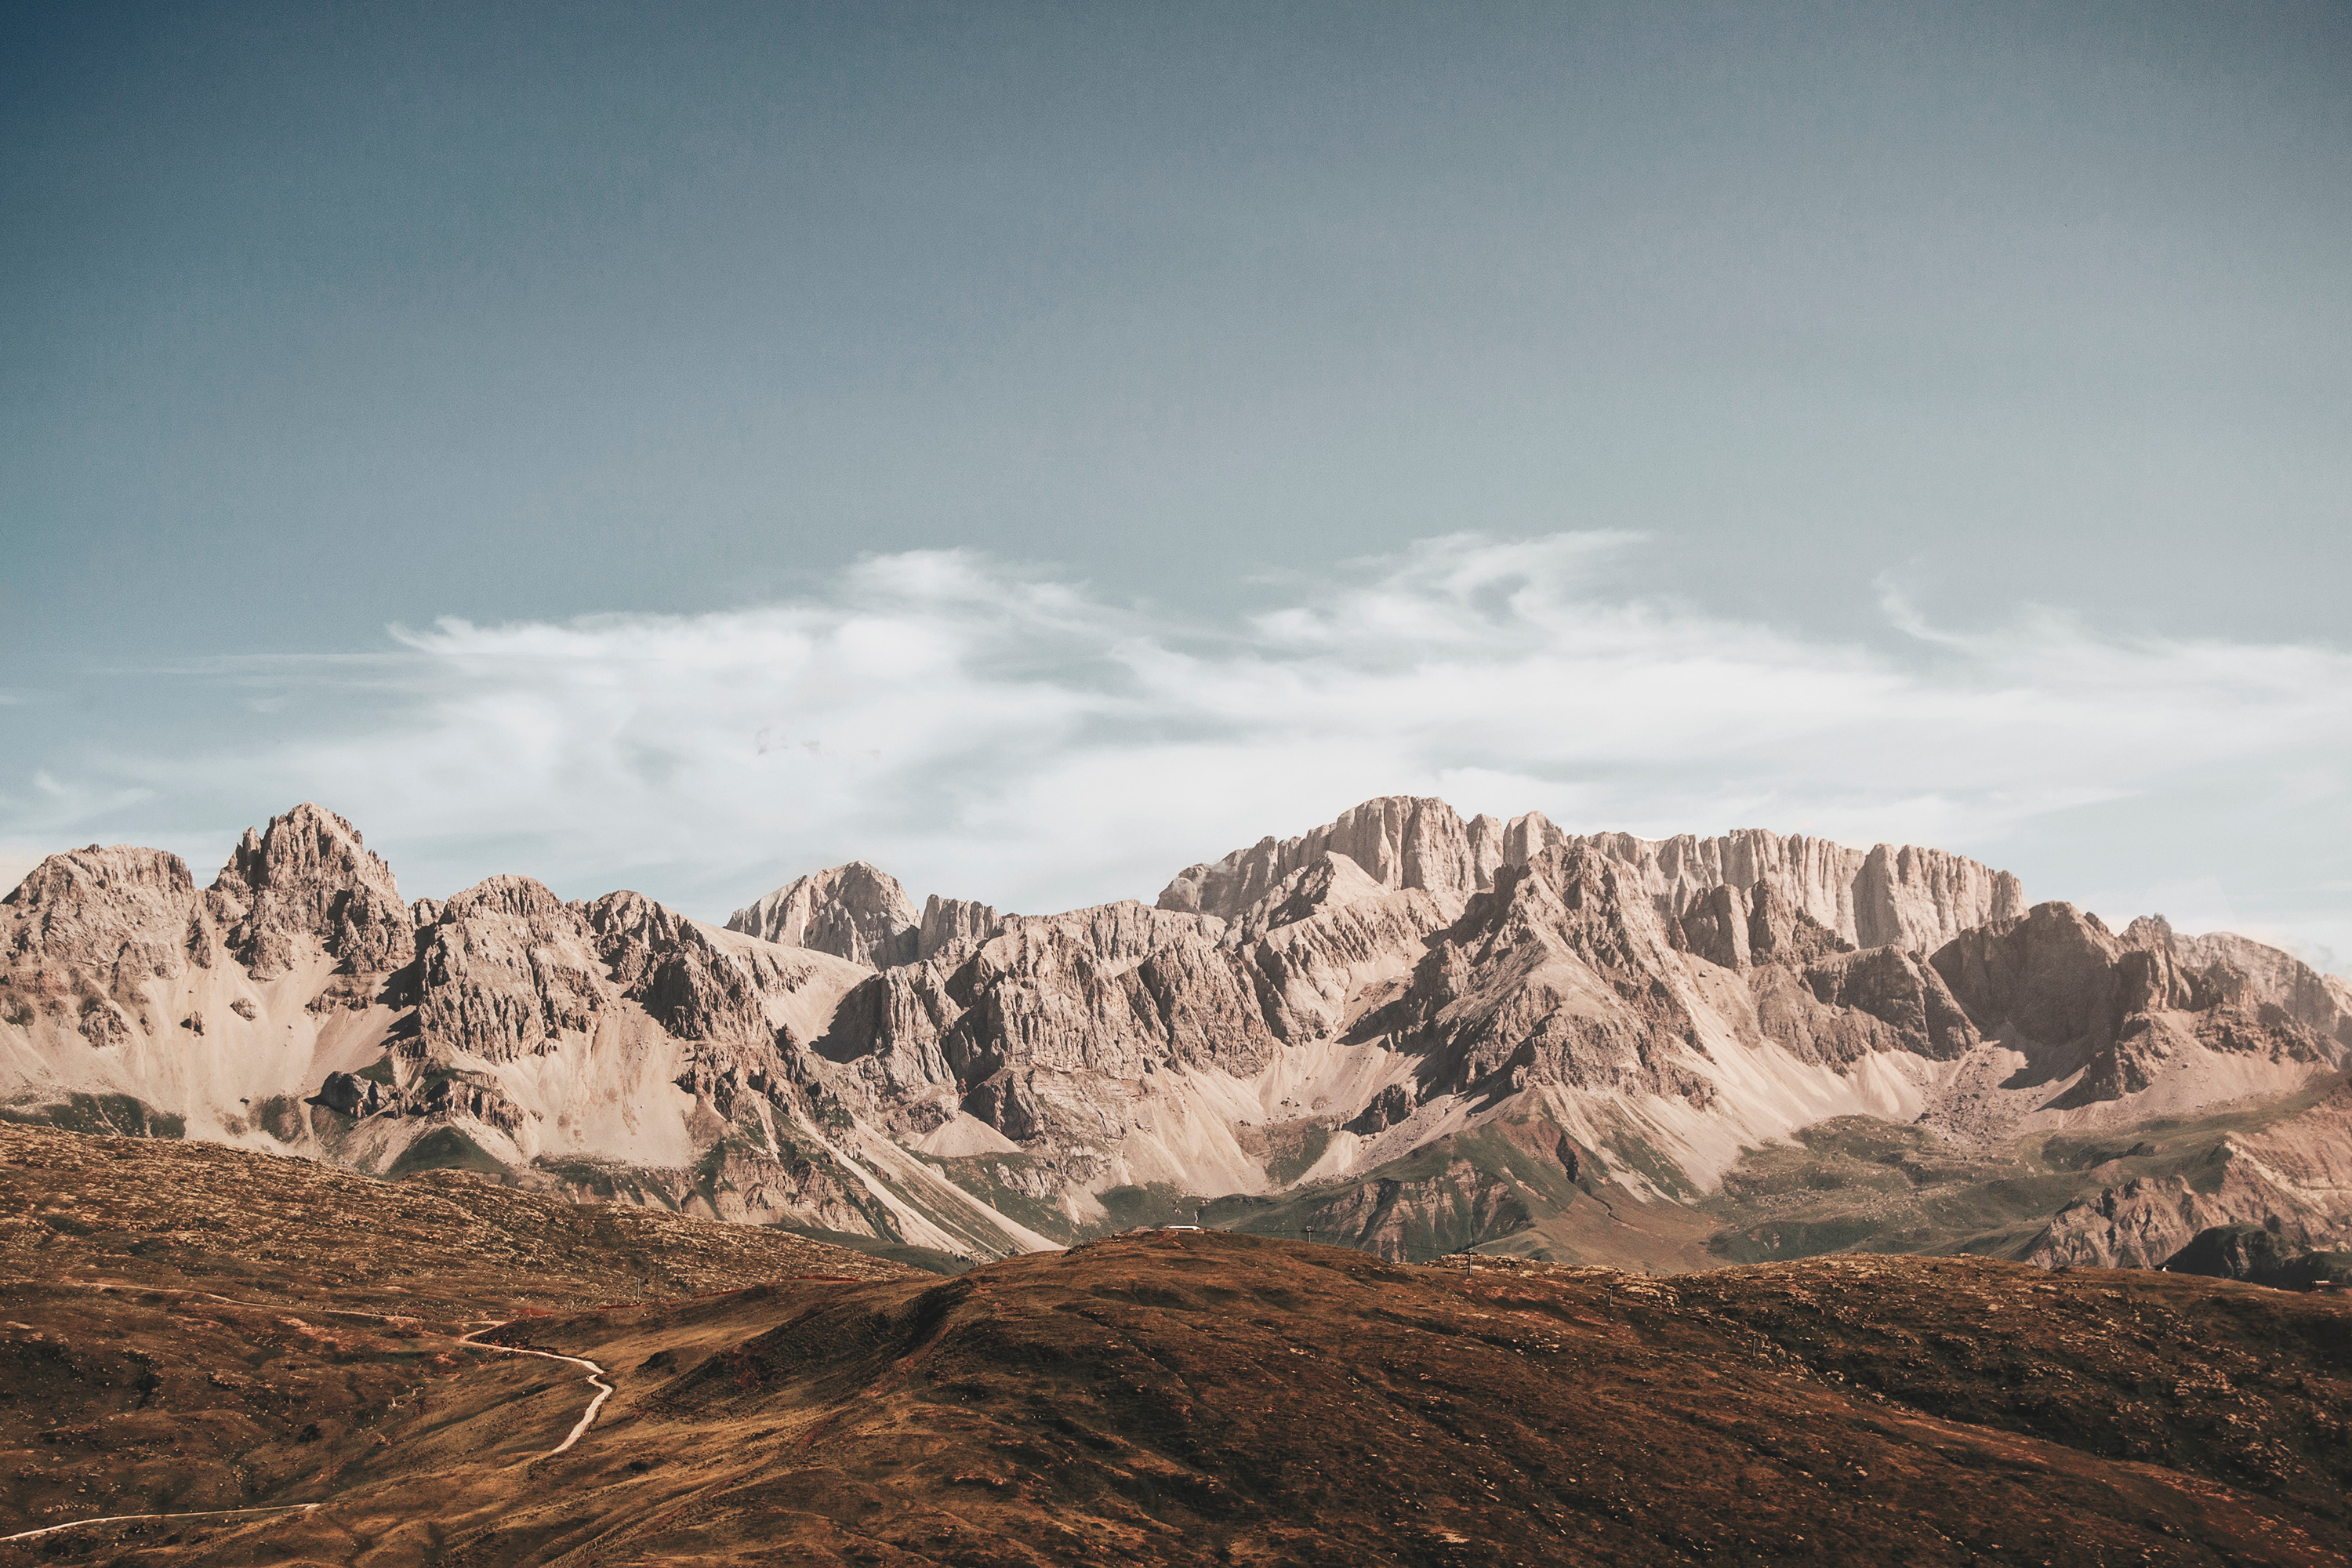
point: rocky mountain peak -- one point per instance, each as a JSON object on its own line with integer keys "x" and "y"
{"x": 855, "y": 911}
{"x": 506, "y": 894}
{"x": 309, "y": 873}
{"x": 95, "y": 906}
{"x": 1399, "y": 841}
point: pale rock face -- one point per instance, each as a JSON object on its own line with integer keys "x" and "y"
{"x": 1302, "y": 1011}
{"x": 2309, "y": 1155}
{"x": 2086, "y": 1028}
{"x": 1716, "y": 928}
{"x": 506, "y": 972}
{"x": 99, "y": 909}
{"x": 2054, "y": 976}
{"x": 2243, "y": 970}
{"x": 308, "y": 875}
{"x": 1559, "y": 974}
{"x": 86, "y": 931}
{"x": 852, "y": 911}
{"x": 1905, "y": 897}
{"x": 1399, "y": 841}
{"x": 1846, "y": 1005}
{"x": 1902, "y": 897}
{"x": 2074, "y": 995}
{"x": 957, "y": 925}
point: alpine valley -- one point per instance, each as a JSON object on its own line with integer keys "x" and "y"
{"x": 1403, "y": 1032}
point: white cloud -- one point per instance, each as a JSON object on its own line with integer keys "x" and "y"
{"x": 994, "y": 733}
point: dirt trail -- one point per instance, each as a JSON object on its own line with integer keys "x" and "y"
{"x": 596, "y": 1375}
{"x": 127, "y": 1517}
{"x": 470, "y": 1340}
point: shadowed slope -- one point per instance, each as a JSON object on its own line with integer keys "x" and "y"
{"x": 184, "y": 1326}
{"x": 1209, "y": 1398}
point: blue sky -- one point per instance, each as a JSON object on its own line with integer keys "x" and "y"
{"x": 1967, "y": 390}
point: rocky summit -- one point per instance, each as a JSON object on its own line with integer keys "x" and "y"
{"x": 1402, "y": 1032}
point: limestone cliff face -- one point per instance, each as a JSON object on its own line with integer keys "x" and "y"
{"x": 1397, "y": 841}
{"x": 957, "y": 925}
{"x": 86, "y": 931}
{"x": 96, "y": 908}
{"x": 506, "y": 972}
{"x": 2146, "y": 1221}
{"x": 1887, "y": 896}
{"x": 1103, "y": 993}
{"x": 614, "y": 1047}
{"x": 1049, "y": 1029}
{"x": 1900, "y": 896}
{"x": 852, "y": 911}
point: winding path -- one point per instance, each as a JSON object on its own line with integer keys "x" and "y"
{"x": 127, "y": 1517}
{"x": 471, "y": 1342}
{"x": 596, "y": 1375}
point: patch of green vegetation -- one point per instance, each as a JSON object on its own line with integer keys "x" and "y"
{"x": 446, "y": 1149}
{"x": 1638, "y": 1154}
{"x": 1437, "y": 1199}
{"x": 1292, "y": 1150}
{"x": 929, "y": 1259}
{"x": 377, "y": 1071}
{"x": 1858, "y": 1184}
{"x": 106, "y": 1115}
{"x": 1774, "y": 1240}
{"x": 1157, "y": 1204}
{"x": 983, "y": 1176}
{"x": 1491, "y": 1148}
{"x": 281, "y": 1117}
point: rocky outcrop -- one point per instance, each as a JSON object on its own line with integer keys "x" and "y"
{"x": 123, "y": 913}
{"x": 507, "y": 972}
{"x": 1042, "y": 1027}
{"x": 2308, "y": 1153}
{"x": 1843, "y": 1006}
{"x": 2256, "y": 1255}
{"x": 2057, "y": 985}
{"x": 1314, "y": 1010}
{"x": 1409, "y": 1220}
{"x": 308, "y": 876}
{"x": 2147, "y": 1221}
{"x": 1560, "y": 973}
{"x": 2137, "y": 1226}
{"x": 1397, "y": 841}
{"x": 1108, "y": 994}
{"x": 668, "y": 965}
{"x": 852, "y": 911}
{"x": 2248, "y": 974}
{"x": 952, "y": 927}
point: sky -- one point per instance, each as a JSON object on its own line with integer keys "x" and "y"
{"x": 1034, "y": 448}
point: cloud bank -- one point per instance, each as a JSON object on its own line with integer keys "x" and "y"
{"x": 989, "y": 730}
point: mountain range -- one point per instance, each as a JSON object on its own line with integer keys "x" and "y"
{"x": 1403, "y": 1031}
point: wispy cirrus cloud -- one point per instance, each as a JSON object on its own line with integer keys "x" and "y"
{"x": 991, "y": 731}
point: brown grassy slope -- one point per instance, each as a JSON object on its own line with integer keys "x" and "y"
{"x": 186, "y": 1326}
{"x": 1215, "y": 1398}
